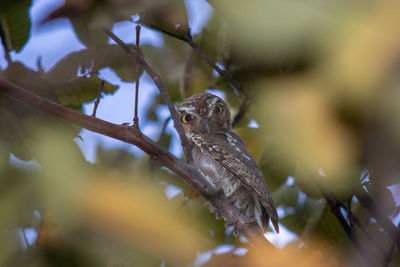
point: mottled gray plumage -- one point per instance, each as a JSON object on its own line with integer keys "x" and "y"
{"x": 223, "y": 159}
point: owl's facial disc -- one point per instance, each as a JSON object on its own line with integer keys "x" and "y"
{"x": 193, "y": 119}
{"x": 219, "y": 115}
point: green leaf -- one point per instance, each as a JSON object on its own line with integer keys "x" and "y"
{"x": 165, "y": 140}
{"x": 214, "y": 39}
{"x": 15, "y": 23}
{"x": 12, "y": 135}
{"x": 116, "y": 159}
{"x": 272, "y": 29}
{"x": 304, "y": 180}
{"x": 197, "y": 75}
{"x": 90, "y": 61}
{"x": 293, "y": 223}
{"x": 328, "y": 227}
{"x": 169, "y": 62}
{"x": 286, "y": 196}
{"x": 254, "y": 140}
{"x": 168, "y": 16}
{"x": 19, "y": 124}
{"x": 87, "y": 35}
{"x": 274, "y": 168}
{"x": 30, "y": 80}
{"x": 90, "y": 17}
{"x": 81, "y": 90}
{"x": 61, "y": 84}
{"x": 18, "y": 197}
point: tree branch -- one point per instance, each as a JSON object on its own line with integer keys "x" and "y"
{"x": 131, "y": 135}
{"x": 97, "y": 102}
{"x": 236, "y": 87}
{"x": 369, "y": 237}
{"x": 335, "y": 209}
{"x": 157, "y": 80}
{"x": 136, "y": 117}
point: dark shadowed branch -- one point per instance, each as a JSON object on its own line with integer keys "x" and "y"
{"x": 387, "y": 225}
{"x": 354, "y": 221}
{"x": 334, "y": 205}
{"x": 368, "y": 235}
{"x": 236, "y": 87}
{"x": 133, "y": 136}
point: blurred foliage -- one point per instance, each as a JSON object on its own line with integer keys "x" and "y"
{"x": 15, "y": 24}
{"x": 322, "y": 78}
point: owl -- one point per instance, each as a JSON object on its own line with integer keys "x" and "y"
{"x": 221, "y": 156}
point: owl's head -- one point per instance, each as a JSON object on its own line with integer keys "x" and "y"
{"x": 204, "y": 113}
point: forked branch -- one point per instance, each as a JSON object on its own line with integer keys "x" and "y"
{"x": 131, "y": 135}
{"x": 157, "y": 80}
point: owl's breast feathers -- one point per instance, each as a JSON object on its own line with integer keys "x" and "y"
{"x": 231, "y": 161}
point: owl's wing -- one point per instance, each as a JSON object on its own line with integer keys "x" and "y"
{"x": 228, "y": 149}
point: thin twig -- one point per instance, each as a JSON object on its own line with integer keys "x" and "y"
{"x": 136, "y": 118}
{"x": 236, "y": 87}
{"x": 364, "y": 177}
{"x": 152, "y": 26}
{"x": 157, "y": 80}
{"x": 97, "y": 102}
{"x": 187, "y": 172}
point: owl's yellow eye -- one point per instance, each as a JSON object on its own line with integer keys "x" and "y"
{"x": 217, "y": 109}
{"x": 186, "y": 118}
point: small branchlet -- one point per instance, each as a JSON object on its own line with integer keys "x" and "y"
{"x": 97, "y": 102}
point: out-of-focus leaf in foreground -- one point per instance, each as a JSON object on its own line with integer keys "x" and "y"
{"x": 167, "y": 15}
{"x": 361, "y": 54}
{"x": 312, "y": 255}
{"x": 301, "y": 125}
{"x": 133, "y": 213}
{"x": 275, "y": 29}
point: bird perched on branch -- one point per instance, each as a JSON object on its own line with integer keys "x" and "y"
{"x": 221, "y": 156}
